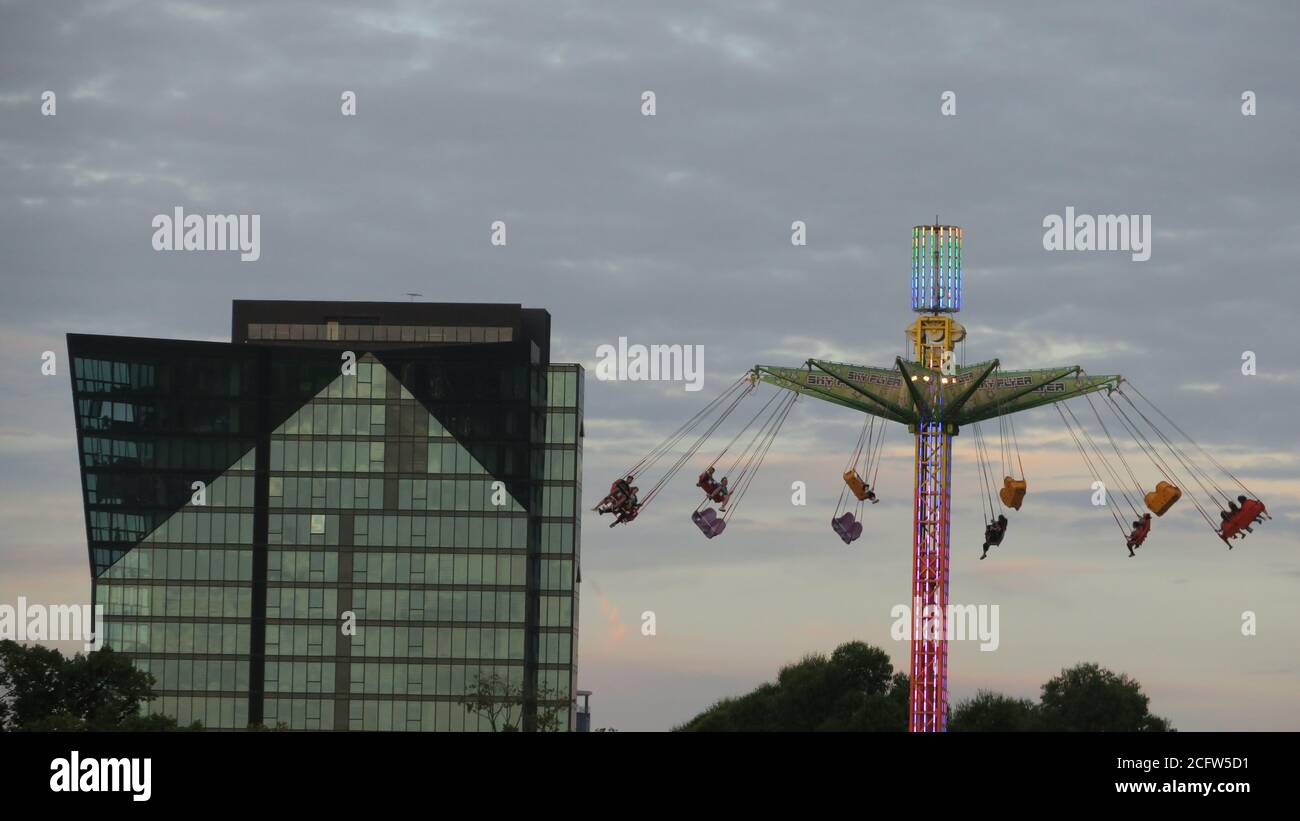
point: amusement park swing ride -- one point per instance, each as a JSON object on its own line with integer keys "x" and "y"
{"x": 936, "y": 397}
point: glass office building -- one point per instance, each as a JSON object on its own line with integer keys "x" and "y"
{"x": 349, "y": 517}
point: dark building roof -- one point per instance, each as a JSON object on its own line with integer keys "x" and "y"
{"x": 308, "y": 322}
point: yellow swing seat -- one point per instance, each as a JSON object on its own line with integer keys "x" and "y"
{"x": 855, "y": 483}
{"x": 1163, "y": 497}
{"x": 1013, "y": 492}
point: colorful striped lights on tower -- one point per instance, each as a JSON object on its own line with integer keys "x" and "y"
{"x": 936, "y": 268}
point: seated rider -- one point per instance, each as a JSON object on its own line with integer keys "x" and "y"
{"x": 1259, "y": 517}
{"x": 618, "y": 495}
{"x": 1232, "y": 510}
{"x": 707, "y": 481}
{"x": 1140, "y": 530}
{"x": 722, "y": 492}
{"x": 629, "y": 508}
{"x": 1226, "y": 515}
{"x": 626, "y": 514}
{"x": 993, "y": 534}
{"x": 620, "y": 490}
{"x": 871, "y": 495}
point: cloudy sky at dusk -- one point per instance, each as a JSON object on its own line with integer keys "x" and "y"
{"x": 675, "y": 229}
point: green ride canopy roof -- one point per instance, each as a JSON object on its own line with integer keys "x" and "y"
{"x": 909, "y": 393}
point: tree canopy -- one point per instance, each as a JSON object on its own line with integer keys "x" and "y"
{"x": 993, "y": 712}
{"x": 856, "y": 688}
{"x": 1085, "y": 698}
{"x": 1088, "y": 698}
{"x": 43, "y": 690}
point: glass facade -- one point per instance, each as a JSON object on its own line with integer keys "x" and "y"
{"x": 175, "y": 578}
{"x": 558, "y": 560}
{"x": 368, "y": 544}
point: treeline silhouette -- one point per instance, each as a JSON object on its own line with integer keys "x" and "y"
{"x": 856, "y": 689}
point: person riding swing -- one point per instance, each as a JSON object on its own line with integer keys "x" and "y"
{"x": 993, "y": 534}
{"x": 1140, "y": 530}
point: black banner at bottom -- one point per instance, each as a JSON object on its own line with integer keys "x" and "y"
{"x": 206, "y": 771}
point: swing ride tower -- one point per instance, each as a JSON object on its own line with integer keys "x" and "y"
{"x": 936, "y": 296}
{"x": 934, "y": 396}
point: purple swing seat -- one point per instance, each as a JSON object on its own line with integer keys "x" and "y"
{"x": 708, "y": 522}
{"x": 847, "y": 528}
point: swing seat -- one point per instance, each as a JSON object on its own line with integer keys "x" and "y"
{"x": 847, "y": 528}
{"x": 995, "y": 531}
{"x": 708, "y": 522}
{"x": 619, "y": 497}
{"x": 1013, "y": 492}
{"x": 1252, "y": 509}
{"x": 1140, "y": 532}
{"x": 1236, "y": 524}
{"x": 1163, "y": 497}
{"x": 855, "y": 483}
{"x": 1244, "y": 517}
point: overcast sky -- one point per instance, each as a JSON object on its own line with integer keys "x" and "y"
{"x": 675, "y": 229}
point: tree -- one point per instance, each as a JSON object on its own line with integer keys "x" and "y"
{"x": 100, "y": 690}
{"x": 503, "y": 704}
{"x": 29, "y": 678}
{"x": 993, "y": 712}
{"x": 1086, "y": 698}
{"x": 751, "y": 712}
{"x": 855, "y": 688}
{"x": 497, "y": 699}
{"x": 1090, "y": 698}
{"x": 864, "y": 668}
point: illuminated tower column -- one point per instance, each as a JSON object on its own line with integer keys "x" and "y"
{"x": 936, "y": 295}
